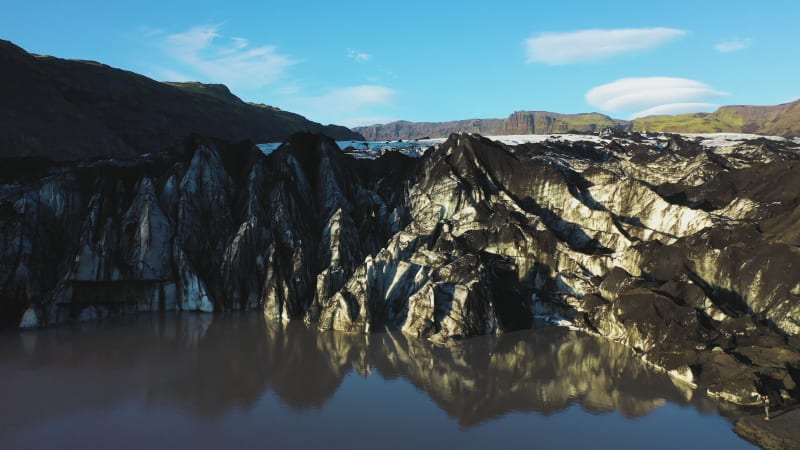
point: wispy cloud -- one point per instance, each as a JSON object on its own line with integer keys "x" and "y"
{"x": 173, "y": 75}
{"x": 593, "y": 45}
{"x": 653, "y": 95}
{"x": 365, "y": 121}
{"x": 204, "y": 53}
{"x": 239, "y": 43}
{"x": 351, "y": 105}
{"x": 358, "y": 56}
{"x": 353, "y": 99}
{"x": 288, "y": 89}
{"x": 733, "y": 45}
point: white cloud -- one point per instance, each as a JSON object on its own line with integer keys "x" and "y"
{"x": 352, "y": 105}
{"x": 593, "y": 45}
{"x": 240, "y": 43}
{"x": 358, "y": 56}
{"x": 733, "y": 45}
{"x": 173, "y": 75}
{"x": 634, "y": 93}
{"x": 353, "y": 99}
{"x": 653, "y": 95}
{"x": 207, "y": 54}
{"x": 366, "y": 121}
{"x": 289, "y": 89}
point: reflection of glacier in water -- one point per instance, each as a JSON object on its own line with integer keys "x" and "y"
{"x": 205, "y": 381}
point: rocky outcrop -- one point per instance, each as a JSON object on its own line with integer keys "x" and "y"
{"x": 519, "y": 122}
{"x": 209, "y": 227}
{"x": 70, "y": 110}
{"x": 778, "y": 433}
{"x": 683, "y": 250}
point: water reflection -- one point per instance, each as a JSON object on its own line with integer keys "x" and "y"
{"x": 208, "y": 365}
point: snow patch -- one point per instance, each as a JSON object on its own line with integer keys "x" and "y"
{"x": 728, "y": 139}
{"x": 516, "y": 139}
{"x": 29, "y": 319}
{"x": 683, "y": 374}
{"x": 416, "y": 148}
{"x": 557, "y": 321}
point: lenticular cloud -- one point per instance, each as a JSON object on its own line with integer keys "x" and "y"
{"x": 593, "y": 45}
{"x": 653, "y": 95}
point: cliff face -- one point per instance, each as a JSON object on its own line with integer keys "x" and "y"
{"x": 520, "y": 122}
{"x": 683, "y": 250}
{"x": 211, "y": 227}
{"x": 69, "y": 110}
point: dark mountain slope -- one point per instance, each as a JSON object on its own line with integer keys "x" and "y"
{"x": 68, "y": 110}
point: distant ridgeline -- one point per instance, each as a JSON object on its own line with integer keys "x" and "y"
{"x": 780, "y": 120}
{"x": 520, "y": 122}
{"x": 68, "y": 110}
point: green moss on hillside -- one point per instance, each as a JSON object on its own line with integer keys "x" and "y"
{"x": 721, "y": 121}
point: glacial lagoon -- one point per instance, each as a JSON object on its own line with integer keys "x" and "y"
{"x": 239, "y": 381}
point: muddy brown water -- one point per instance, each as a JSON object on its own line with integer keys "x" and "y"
{"x": 238, "y": 381}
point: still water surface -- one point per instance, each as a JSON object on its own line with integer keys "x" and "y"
{"x": 203, "y": 381}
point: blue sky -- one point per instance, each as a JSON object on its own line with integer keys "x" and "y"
{"x": 360, "y": 62}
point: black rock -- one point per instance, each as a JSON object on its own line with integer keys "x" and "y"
{"x": 473, "y": 238}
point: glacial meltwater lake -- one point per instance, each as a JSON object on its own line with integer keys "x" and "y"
{"x": 201, "y": 381}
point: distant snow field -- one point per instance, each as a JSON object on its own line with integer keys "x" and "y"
{"x": 415, "y": 148}
{"x": 728, "y": 139}
{"x": 372, "y": 149}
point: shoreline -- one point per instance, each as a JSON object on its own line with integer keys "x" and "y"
{"x": 781, "y": 432}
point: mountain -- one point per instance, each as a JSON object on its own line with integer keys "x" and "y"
{"x": 683, "y": 250}
{"x": 67, "y": 109}
{"x": 520, "y": 122}
{"x": 780, "y": 120}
